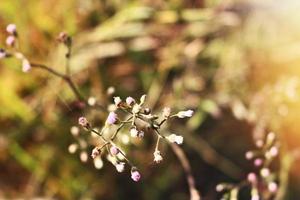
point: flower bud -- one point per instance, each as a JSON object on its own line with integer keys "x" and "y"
{"x": 258, "y": 162}
{"x": 147, "y": 111}
{"x": 143, "y": 99}
{"x": 252, "y": 178}
{"x": 83, "y": 156}
{"x": 25, "y": 65}
{"x": 135, "y": 175}
{"x": 114, "y": 150}
{"x": 10, "y": 41}
{"x": 83, "y": 122}
{"x": 272, "y": 187}
{"x": 112, "y": 118}
{"x": 136, "y": 109}
{"x": 11, "y": 29}
{"x": 120, "y": 166}
{"x": 130, "y": 101}
{"x": 117, "y": 101}
{"x": 264, "y": 172}
{"x": 96, "y": 152}
{"x": 141, "y": 134}
{"x": 157, "y": 156}
{"x": 249, "y": 155}
{"x": 175, "y": 138}
{"x": 134, "y": 132}
{"x": 184, "y": 114}
{"x": 72, "y": 148}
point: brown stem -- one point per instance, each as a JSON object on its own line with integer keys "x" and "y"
{"x": 68, "y": 80}
{"x": 195, "y": 195}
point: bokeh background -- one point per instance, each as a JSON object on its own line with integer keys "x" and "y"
{"x": 236, "y": 63}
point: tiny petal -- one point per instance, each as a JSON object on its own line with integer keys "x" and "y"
{"x": 187, "y": 113}
{"x": 120, "y": 166}
{"x": 130, "y": 101}
{"x": 10, "y": 41}
{"x": 141, "y": 134}
{"x": 112, "y": 118}
{"x": 11, "y": 28}
{"x": 136, "y": 108}
{"x": 114, "y": 150}
{"x": 135, "y": 175}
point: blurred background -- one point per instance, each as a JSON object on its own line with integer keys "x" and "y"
{"x": 236, "y": 63}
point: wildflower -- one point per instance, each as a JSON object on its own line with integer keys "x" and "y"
{"x": 117, "y": 101}
{"x": 83, "y": 122}
{"x": 157, "y": 156}
{"x": 166, "y": 112}
{"x": 96, "y": 152}
{"x": 183, "y": 114}
{"x": 112, "y": 118}
{"x": 134, "y": 132}
{"x": 25, "y": 65}
{"x": 11, "y": 29}
{"x": 130, "y": 101}
{"x": 10, "y": 41}
{"x": 135, "y": 175}
{"x": 120, "y": 166}
{"x": 178, "y": 139}
{"x": 114, "y": 150}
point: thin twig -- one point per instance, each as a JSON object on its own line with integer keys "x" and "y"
{"x": 195, "y": 195}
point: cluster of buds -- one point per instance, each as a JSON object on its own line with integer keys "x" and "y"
{"x": 261, "y": 181}
{"x": 12, "y": 43}
{"x": 137, "y": 114}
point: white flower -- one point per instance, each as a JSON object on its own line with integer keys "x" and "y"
{"x": 26, "y": 65}
{"x": 178, "y": 139}
{"x": 264, "y": 172}
{"x": 95, "y": 152}
{"x": 98, "y": 163}
{"x": 134, "y": 132}
{"x": 120, "y": 166}
{"x": 11, "y": 28}
{"x": 117, "y": 101}
{"x": 130, "y": 101}
{"x": 183, "y": 114}
{"x": 157, "y": 156}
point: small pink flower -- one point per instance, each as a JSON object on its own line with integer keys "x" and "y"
{"x": 10, "y": 41}
{"x": 134, "y": 132}
{"x": 11, "y": 28}
{"x": 95, "y": 152}
{"x": 83, "y": 122}
{"x": 25, "y": 65}
{"x": 112, "y": 118}
{"x": 135, "y": 175}
{"x": 130, "y": 101}
{"x": 249, "y": 155}
{"x": 117, "y": 101}
{"x": 114, "y": 150}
